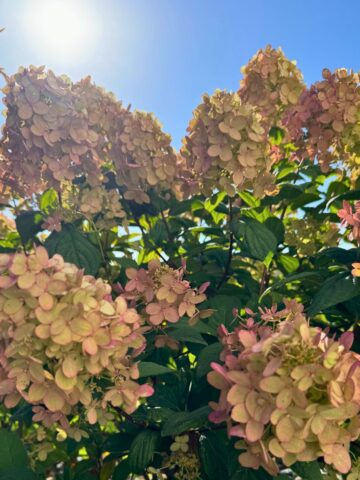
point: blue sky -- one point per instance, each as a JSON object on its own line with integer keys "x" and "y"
{"x": 162, "y": 55}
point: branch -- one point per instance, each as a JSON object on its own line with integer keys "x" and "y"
{"x": 144, "y": 233}
{"x": 230, "y": 251}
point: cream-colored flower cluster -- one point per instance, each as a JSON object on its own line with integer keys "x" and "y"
{"x": 166, "y": 294}
{"x": 66, "y": 342}
{"x": 324, "y": 125}
{"x": 142, "y": 156}
{"x": 288, "y": 390}
{"x": 271, "y": 82}
{"x": 58, "y": 132}
{"x": 227, "y": 148}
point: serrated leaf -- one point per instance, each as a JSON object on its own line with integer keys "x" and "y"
{"x": 290, "y": 264}
{"x": 122, "y": 471}
{"x": 276, "y": 226}
{"x": 207, "y": 355}
{"x": 48, "y": 200}
{"x": 28, "y": 224}
{"x": 213, "y": 454}
{"x": 183, "y": 421}
{"x": 75, "y": 248}
{"x": 308, "y": 470}
{"x": 142, "y": 450}
{"x": 17, "y": 473}
{"x": 335, "y": 290}
{"x": 12, "y": 451}
{"x": 258, "y": 239}
{"x": 291, "y": 278}
{"x": 151, "y": 369}
{"x": 185, "y": 333}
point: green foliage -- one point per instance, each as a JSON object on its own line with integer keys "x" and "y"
{"x": 74, "y": 248}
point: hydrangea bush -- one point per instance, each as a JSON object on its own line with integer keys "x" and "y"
{"x": 190, "y": 314}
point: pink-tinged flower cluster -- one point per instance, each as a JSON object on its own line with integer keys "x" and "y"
{"x": 165, "y": 292}
{"x": 271, "y": 82}
{"x": 351, "y": 218}
{"x": 227, "y": 148}
{"x": 57, "y": 131}
{"x": 289, "y": 391}
{"x": 64, "y": 341}
{"x": 324, "y": 124}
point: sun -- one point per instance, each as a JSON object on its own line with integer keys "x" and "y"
{"x": 67, "y": 29}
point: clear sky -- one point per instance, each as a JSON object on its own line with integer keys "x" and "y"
{"x": 162, "y": 55}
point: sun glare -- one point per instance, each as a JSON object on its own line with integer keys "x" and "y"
{"x": 67, "y": 29}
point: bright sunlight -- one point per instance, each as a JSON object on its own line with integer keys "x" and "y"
{"x": 64, "y": 28}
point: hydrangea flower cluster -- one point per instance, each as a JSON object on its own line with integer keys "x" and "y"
{"x": 351, "y": 218}
{"x": 165, "y": 292}
{"x": 271, "y": 82}
{"x": 48, "y": 136}
{"x": 227, "y": 148}
{"x": 65, "y": 342}
{"x": 288, "y": 390}
{"x": 324, "y": 124}
{"x": 58, "y": 132}
{"x": 142, "y": 156}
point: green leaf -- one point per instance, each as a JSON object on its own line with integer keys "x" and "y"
{"x": 276, "y": 135}
{"x": 307, "y": 470}
{"x": 75, "y": 248}
{"x": 289, "y": 279}
{"x": 12, "y": 451}
{"x": 150, "y": 369}
{"x": 259, "y": 240}
{"x": 185, "y": 333}
{"x": 213, "y": 454}
{"x": 276, "y": 226}
{"x": 158, "y": 232}
{"x": 207, "y": 355}
{"x": 249, "y": 199}
{"x": 117, "y": 443}
{"x": 48, "y": 200}
{"x": 142, "y": 450}
{"x": 341, "y": 255}
{"x": 290, "y": 264}
{"x": 183, "y": 421}
{"x": 122, "y": 471}
{"x": 17, "y": 473}
{"x": 335, "y": 290}
{"x": 28, "y": 224}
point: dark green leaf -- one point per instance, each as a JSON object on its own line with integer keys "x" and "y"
{"x": 289, "y": 279}
{"x": 75, "y": 248}
{"x": 142, "y": 450}
{"x": 307, "y": 470}
{"x": 17, "y": 473}
{"x": 185, "y": 333}
{"x": 12, "y": 451}
{"x": 28, "y": 224}
{"x": 206, "y": 356}
{"x": 149, "y": 369}
{"x": 122, "y": 471}
{"x": 213, "y": 456}
{"x": 335, "y": 290}
{"x": 259, "y": 240}
{"x": 276, "y": 226}
{"x": 183, "y": 421}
